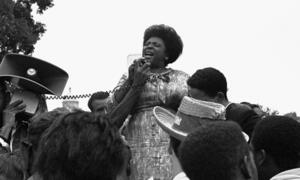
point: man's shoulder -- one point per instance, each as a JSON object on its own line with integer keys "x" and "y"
{"x": 179, "y": 73}
{"x": 237, "y": 107}
{"x": 240, "y": 112}
{"x": 181, "y": 176}
{"x": 243, "y": 115}
{"x": 291, "y": 174}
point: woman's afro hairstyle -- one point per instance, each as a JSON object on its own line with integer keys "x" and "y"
{"x": 170, "y": 37}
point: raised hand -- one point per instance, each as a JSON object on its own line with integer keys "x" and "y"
{"x": 11, "y": 110}
{"x": 141, "y": 72}
{"x": 134, "y": 66}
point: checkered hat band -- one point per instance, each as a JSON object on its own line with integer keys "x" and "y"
{"x": 202, "y": 109}
{"x": 189, "y": 123}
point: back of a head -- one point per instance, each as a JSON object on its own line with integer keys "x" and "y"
{"x": 81, "y": 145}
{"x": 40, "y": 123}
{"x": 10, "y": 167}
{"x": 209, "y": 80}
{"x": 101, "y": 95}
{"x": 279, "y": 136}
{"x": 255, "y": 107}
{"x": 213, "y": 151}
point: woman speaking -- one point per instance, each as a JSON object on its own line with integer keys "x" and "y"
{"x": 148, "y": 142}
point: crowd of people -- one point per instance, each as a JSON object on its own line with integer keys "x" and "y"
{"x": 157, "y": 124}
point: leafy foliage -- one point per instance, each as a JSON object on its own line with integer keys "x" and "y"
{"x": 264, "y": 111}
{"x": 269, "y": 112}
{"x": 260, "y": 110}
{"x": 293, "y": 115}
{"x": 19, "y": 32}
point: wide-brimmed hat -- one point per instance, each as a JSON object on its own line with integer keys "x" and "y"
{"x": 33, "y": 74}
{"x": 192, "y": 113}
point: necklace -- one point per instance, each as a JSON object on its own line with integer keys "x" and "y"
{"x": 162, "y": 76}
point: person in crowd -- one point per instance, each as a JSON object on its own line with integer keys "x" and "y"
{"x": 99, "y": 102}
{"x": 82, "y": 145}
{"x": 256, "y": 108}
{"x": 11, "y": 167}
{"x": 7, "y": 110}
{"x": 149, "y": 144}
{"x": 23, "y": 120}
{"x": 24, "y": 81}
{"x": 36, "y": 127}
{"x": 14, "y": 119}
{"x": 219, "y": 151}
{"x": 8, "y": 113}
{"x": 209, "y": 84}
{"x": 276, "y": 145}
{"x": 192, "y": 114}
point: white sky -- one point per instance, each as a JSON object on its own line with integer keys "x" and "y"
{"x": 256, "y": 44}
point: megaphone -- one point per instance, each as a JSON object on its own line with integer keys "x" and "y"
{"x": 33, "y": 76}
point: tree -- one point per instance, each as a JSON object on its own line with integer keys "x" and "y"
{"x": 19, "y": 32}
{"x": 269, "y": 112}
{"x": 293, "y": 115}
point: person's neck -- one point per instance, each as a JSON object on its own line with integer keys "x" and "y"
{"x": 298, "y": 164}
{"x": 158, "y": 70}
{"x": 225, "y": 103}
{"x": 270, "y": 168}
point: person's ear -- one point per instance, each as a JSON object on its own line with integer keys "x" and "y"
{"x": 248, "y": 168}
{"x": 244, "y": 168}
{"x": 166, "y": 60}
{"x": 220, "y": 97}
{"x": 260, "y": 156}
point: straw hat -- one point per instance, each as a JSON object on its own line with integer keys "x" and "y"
{"x": 191, "y": 114}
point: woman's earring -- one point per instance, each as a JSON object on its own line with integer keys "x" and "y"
{"x": 166, "y": 58}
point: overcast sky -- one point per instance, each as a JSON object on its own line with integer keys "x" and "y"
{"x": 256, "y": 44}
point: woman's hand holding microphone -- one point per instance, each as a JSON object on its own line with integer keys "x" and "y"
{"x": 139, "y": 72}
